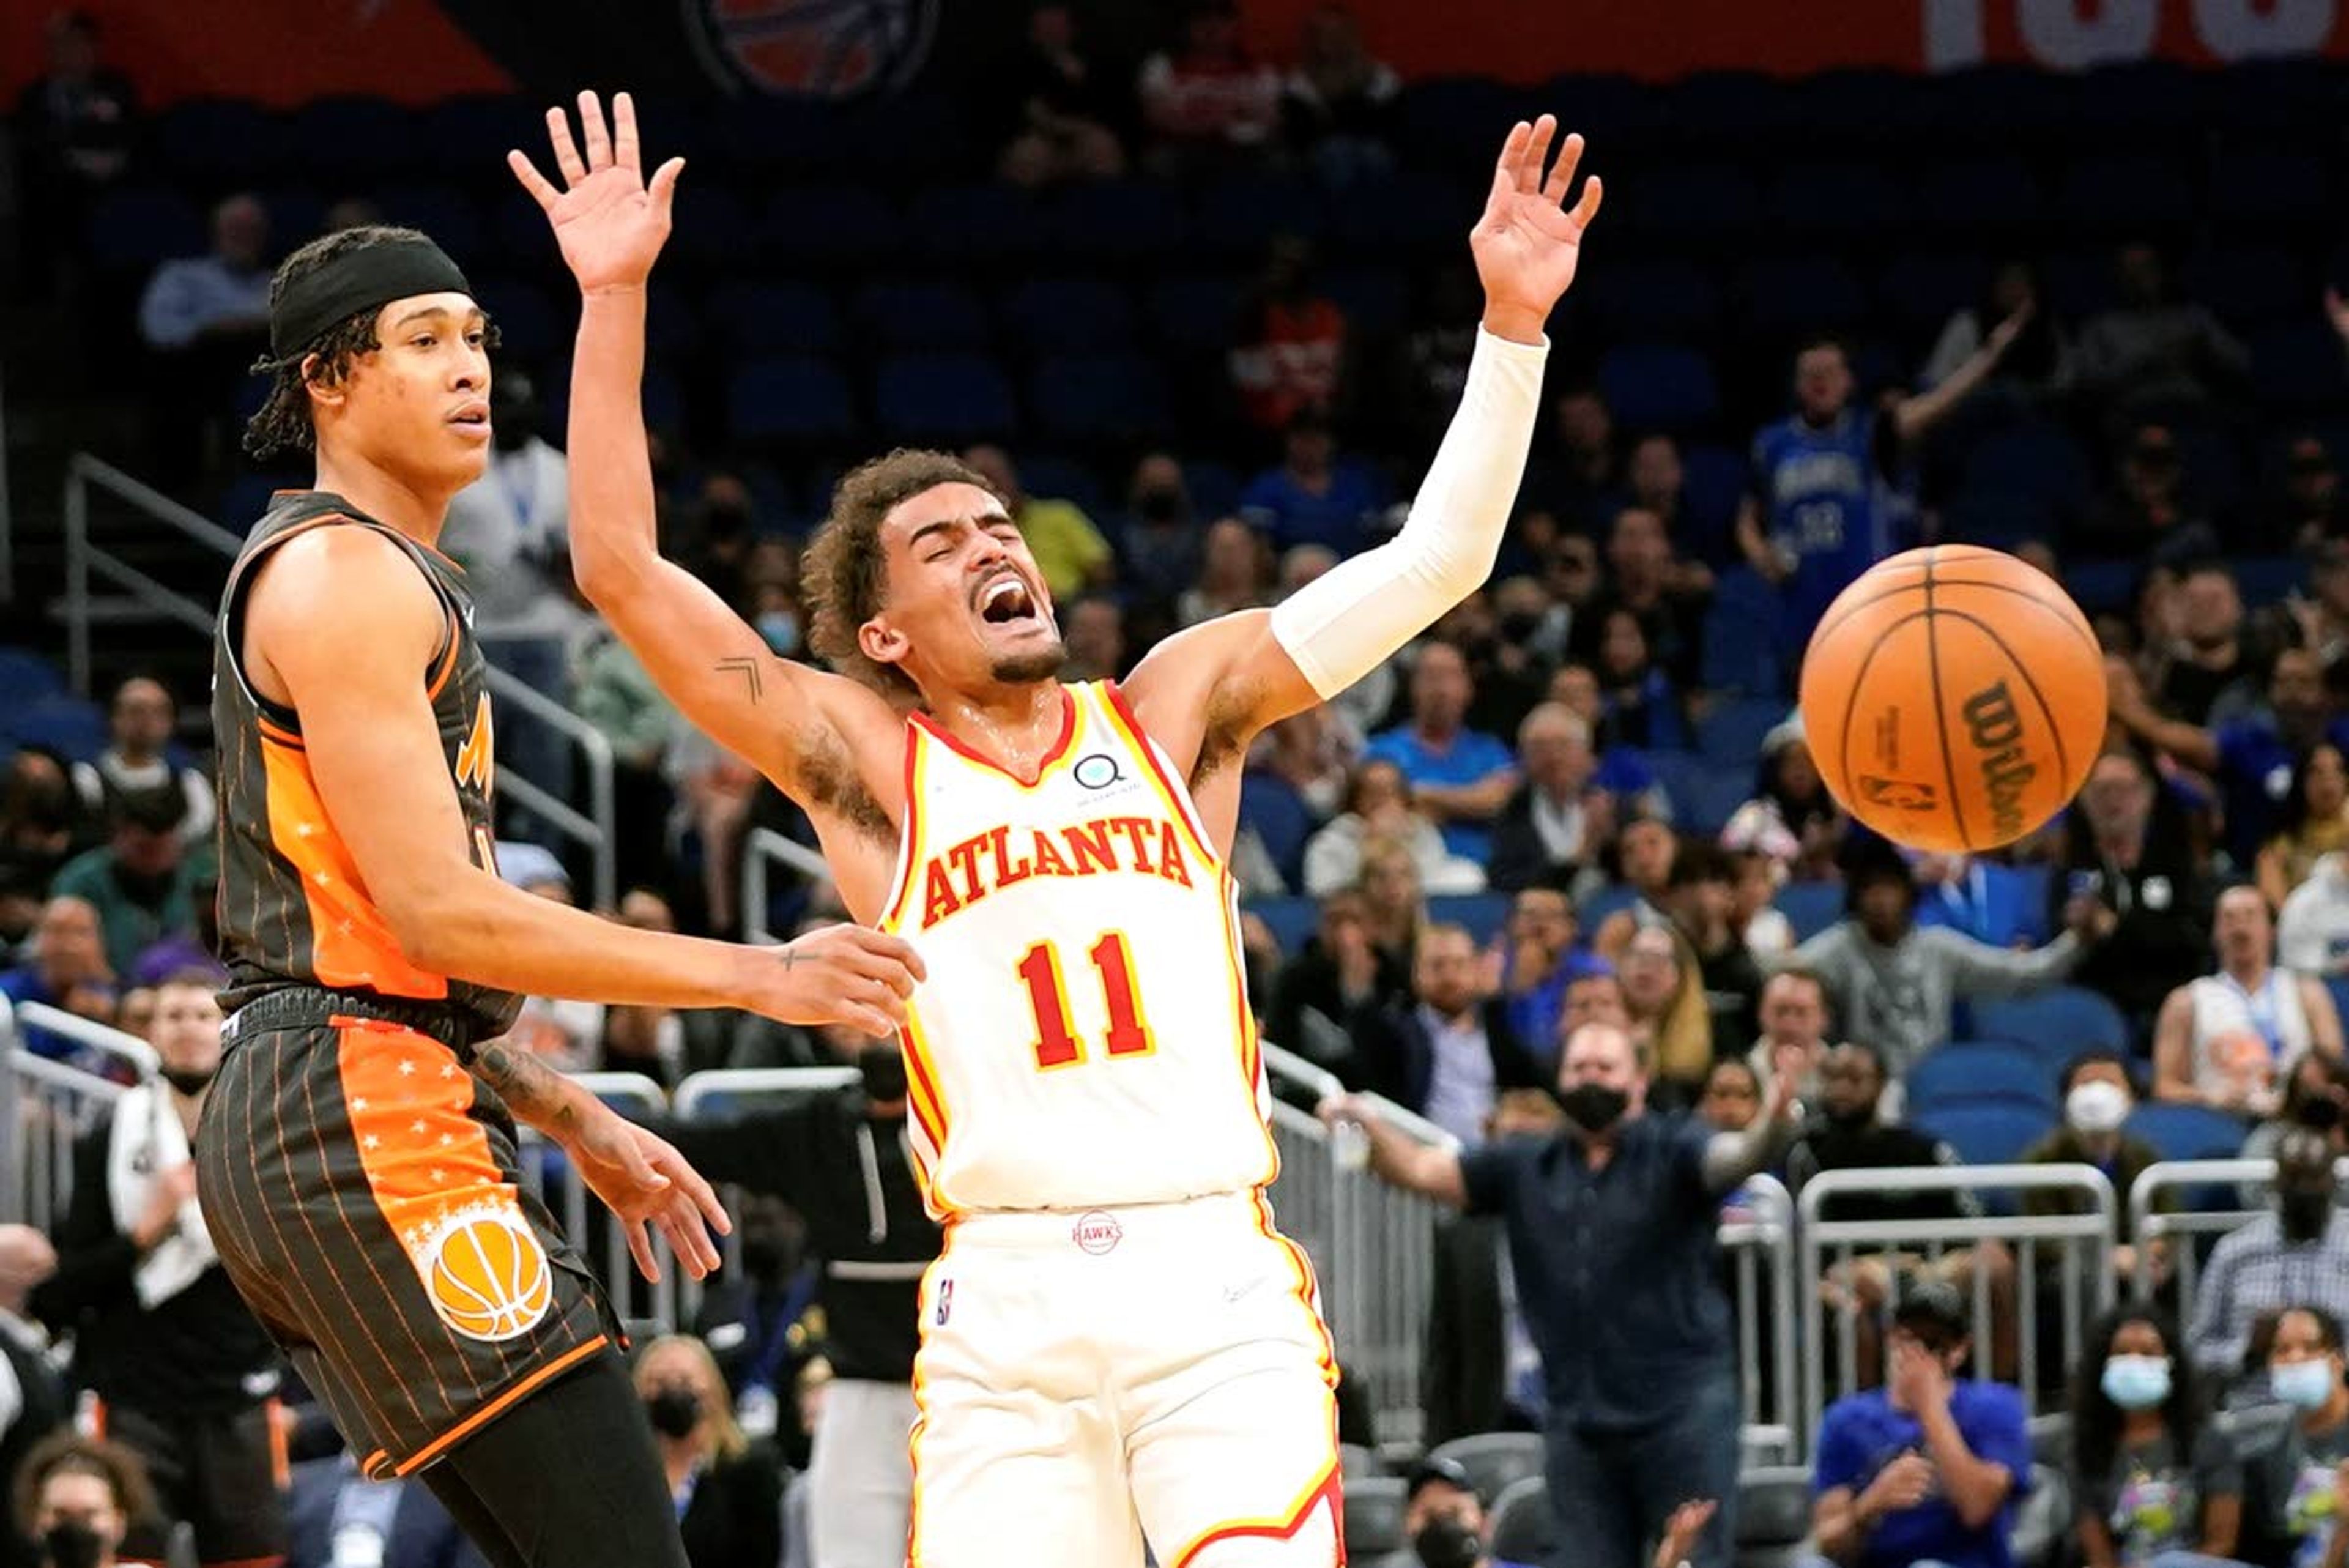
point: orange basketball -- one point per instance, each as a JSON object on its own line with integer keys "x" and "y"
{"x": 1953, "y": 698}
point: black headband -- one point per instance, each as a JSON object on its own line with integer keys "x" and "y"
{"x": 366, "y": 279}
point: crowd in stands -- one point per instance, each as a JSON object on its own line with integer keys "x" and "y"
{"x": 1578, "y": 817}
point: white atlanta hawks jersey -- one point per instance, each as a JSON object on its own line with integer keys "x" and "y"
{"x": 1084, "y": 1038}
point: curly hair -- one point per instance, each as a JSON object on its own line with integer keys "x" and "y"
{"x": 283, "y": 423}
{"x": 67, "y": 1452}
{"x": 845, "y": 572}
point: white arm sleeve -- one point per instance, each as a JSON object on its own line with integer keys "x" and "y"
{"x": 1352, "y": 618}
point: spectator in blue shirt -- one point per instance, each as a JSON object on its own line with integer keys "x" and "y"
{"x": 2252, "y": 758}
{"x": 224, "y": 292}
{"x": 1459, "y": 776}
{"x": 67, "y": 968}
{"x": 1612, "y": 1230}
{"x": 1927, "y": 1468}
{"x": 1821, "y": 510}
{"x": 1315, "y": 496}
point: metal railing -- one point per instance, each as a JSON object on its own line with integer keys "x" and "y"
{"x": 45, "y": 1104}
{"x": 2005, "y": 1296}
{"x": 85, "y": 559}
{"x": 726, "y": 1090}
{"x": 1757, "y": 1236}
{"x": 762, "y": 846}
{"x": 2187, "y": 1225}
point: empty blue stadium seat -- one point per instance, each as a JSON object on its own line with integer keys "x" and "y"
{"x": 1731, "y": 731}
{"x": 1448, "y": 117}
{"x": 447, "y": 214}
{"x": 1056, "y": 314}
{"x": 1967, "y": 1072}
{"x": 1660, "y": 387}
{"x": 1292, "y": 920}
{"x": 1376, "y": 299}
{"x": 2031, "y": 458}
{"x": 1799, "y": 294}
{"x": 988, "y": 223}
{"x": 2188, "y": 1132}
{"x": 61, "y": 722}
{"x": 1845, "y": 197}
{"x": 790, "y": 399}
{"x": 347, "y": 139}
{"x": 1667, "y": 299}
{"x": 1595, "y": 906}
{"x": 1979, "y": 195}
{"x": 2249, "y": 286}
{"x": 1484, "y": 914}
{"x": 719, "y": 229}
{"x": 2265, "y": 579}
{"x": 1986, "y": 1132}
{"x": 2129, "y": 195}
{"x": 2061, "y": 1020}
{"x": 132, "y": 231}
{"x": 1999, "y": 518}
{"x": 943, "y": 396}
{"x": 1117, "y": 221}
{"x": 1921, "y": 290}
{"x": 1742, "y": 634}
{"x": 529, "y": 324}
{"x": 27, "y": 676}
{"x": 1704, "y": 793}
{"x": 1214, "y": 486}
{"x": 1410, "y": 213}
{"x": 450, "y": 134}
{"x": 1193, "y": 311}
{"x": 2260, "y": 183}
{"x": 756, "y": 318}
{"x": 1099, "y": 396}
{"x": 1061, "y": 478}
{"x": 2297, "y": 369}
{"x": 1695, "y": 200}
{"x": 224, "y": 139}
{"x": 2101, "y": 585}
{"x": 1239, "y": 216}
{"x": 932, "y": 315}
{"x": 836, "y": 225}
{"x": 1810, "y": 906}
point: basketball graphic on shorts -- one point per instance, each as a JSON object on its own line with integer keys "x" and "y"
{"x": 488, "y": 1275}
{"x": 1953, "y": 698}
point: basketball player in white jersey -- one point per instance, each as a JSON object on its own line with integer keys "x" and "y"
{"x": 1116, "y": 1343}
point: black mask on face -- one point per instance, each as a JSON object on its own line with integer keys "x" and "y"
{"x": 188, "y": 1081}
{"x": 673, "y": 1412}
{"x": 1447, "y": 1542}
{"x": 72, "y": 1545}
{"x": 2303, "y": 1214}
{"x": 1160, "y": 506}
{"x": 1848, "y": 1118}
{"x": 1519, "y": 628}
{"x": 884, "y": 1067}
{"x": 1594, "y": 1108}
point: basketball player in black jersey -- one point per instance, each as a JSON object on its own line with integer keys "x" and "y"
{"x": 355, "y": 1162}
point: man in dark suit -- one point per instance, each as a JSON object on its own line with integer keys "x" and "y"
{"x": 1450, "y": 1053}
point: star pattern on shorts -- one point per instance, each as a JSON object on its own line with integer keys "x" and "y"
{"x": 359, "y": 1105}
{"x": 370, "y": 1142}
{"x": 408, "y": 1069}
{"x": 446, "y": 1139}
{"x": 417, "y": 1126}
{"x": 435, "y": 1174}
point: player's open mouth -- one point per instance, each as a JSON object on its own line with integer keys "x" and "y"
{"x": 473, "y": 417}
{"x": 1006, "y": 601}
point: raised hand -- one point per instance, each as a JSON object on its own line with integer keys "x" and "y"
{"x": 609, "y": 221}
{"x": 1528, "y": 242}
{"x": 1681, "y": 1531}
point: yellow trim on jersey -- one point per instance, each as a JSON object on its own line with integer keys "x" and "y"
{"x": 1153, "y": 769}
{"x": 909, "y": 839}
{"x": 1244, "y": 1022}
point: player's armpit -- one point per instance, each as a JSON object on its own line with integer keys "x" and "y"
{"x": 1205, "y": 693}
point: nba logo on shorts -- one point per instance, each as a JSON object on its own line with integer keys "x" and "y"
{"x": 485, "y": 1271}
{"x": 819, "y": 48}
{"x": 1096, "y": 1233}
{"x": 946, "y": 1301}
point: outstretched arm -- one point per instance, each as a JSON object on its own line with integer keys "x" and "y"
{"x": 774, "y": 714}
{"x": 1213, "y": 688}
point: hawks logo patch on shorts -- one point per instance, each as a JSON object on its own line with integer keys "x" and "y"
{"x": 484, "y": 1271}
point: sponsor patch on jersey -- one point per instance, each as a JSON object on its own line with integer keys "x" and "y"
{"x": 1096, "y": 1233}
{"x": 1097, "y": 771}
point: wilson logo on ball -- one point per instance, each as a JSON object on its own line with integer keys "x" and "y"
{"x": 1995, "y": 727}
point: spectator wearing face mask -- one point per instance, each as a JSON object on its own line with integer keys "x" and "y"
{"x": 1613, "y": 1236}
{"x": 729, "y": 1497}
{"x": 2297, "y": 1489}
{"x": 79, "y": 1496}
{"x": 2099, "y": 1093}
{"x": 2150, "y": 1476}
{"x": 184, "y": 1376}
{"x": 844, "y": 1161}
{"x": 1928, "y": 1468}
{"x": 2296, "y": 1254}
{"x": 2316, "y": 1096}
{"x": 1444, "y": 1520}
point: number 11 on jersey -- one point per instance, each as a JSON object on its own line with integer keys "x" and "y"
{"x": 1057, "y": 1044}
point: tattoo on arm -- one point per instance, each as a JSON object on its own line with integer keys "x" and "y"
{"x": 531, "y": 1090}
{"x": 748, "y": 669}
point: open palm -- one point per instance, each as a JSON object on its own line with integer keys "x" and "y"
{"x": 610, "y": 222}
{"x": 1528, "y": 242}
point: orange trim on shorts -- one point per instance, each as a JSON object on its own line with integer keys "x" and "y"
{"x": 1178, "y": 801}
{"x": 280, "y": 1462}
{"x": 499, "y": 1406}
{"x": 351, "y": 944}
{"x": 1052, "y": 759}
{"x": 921, "y": 1411}
{"x": 1327, "y": 1486}
{"x": 98, "y": 1418}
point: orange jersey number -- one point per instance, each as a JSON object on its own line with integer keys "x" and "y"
{"x": 1057, "y": 1044}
